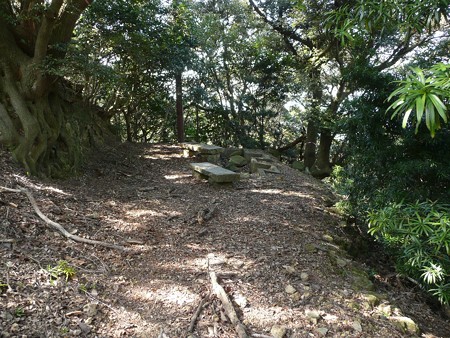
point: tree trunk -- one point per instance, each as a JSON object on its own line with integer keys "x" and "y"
{"x": 41, "y": 123}
{"x": 312, "y": 128}
{"x": 179, "y": 106}
{"x": 309, "y": 155}
{"x": 322, "y": 167}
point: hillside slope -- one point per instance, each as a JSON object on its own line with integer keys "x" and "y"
{"x": 272, "y": 241}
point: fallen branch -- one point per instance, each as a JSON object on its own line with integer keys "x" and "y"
{"x": 194, "y": 318}
{"x": 228, "y": 306}
{"x": 58, "y": 226}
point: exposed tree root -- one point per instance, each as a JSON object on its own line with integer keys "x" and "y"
{"x": 58, "y": 226}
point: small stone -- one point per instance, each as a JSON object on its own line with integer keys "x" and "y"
{"x": 76, "y": 332}
{"x": 328, "y": 238}
{"x": 304, "y": 276}
{"x": 384, "y": 309}
{"x": 90, "y": 309}
{"x": 278, "y": 331}
{"x": 295, "y": 297}
{"x": 356, "y": 325}
{"x": 406, "y": 324}
{"x": 322, "y": 331}
{"x": 341, "y": 262}
{"x": 369, "y": 301}
{"x": 290, "y": 289}
{"x": 238, "y": 160}
{"x": 240, "y": 300}
{"x": 5, "y": 334}
{"x": 289, "y": 268}
{"x": 305, "y": 296}
{"x": 84, "y": 327}
{"x": 313, "y": 315}
{"x": 14, "y": 327}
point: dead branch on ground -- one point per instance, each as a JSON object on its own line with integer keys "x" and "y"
{"x": 195, "y": 316}
{"x": 228, "y": 306}
{"x": 58, "y": 226}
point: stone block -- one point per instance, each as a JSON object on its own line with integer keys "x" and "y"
{"x": 215, "y": 173}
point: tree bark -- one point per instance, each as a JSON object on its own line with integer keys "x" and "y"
{"x": 309, "y": 155}
{"x": 45, "y": 132}
{"x": 322, "y": 167}
{"x": 179, "y": 106}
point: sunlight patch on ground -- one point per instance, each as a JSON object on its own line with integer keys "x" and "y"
{"x": 280, "y": 192}
{"x": 176, "y": 295}
{"x": 266, "y": 316}
{"x": 176, "y": 177}
{"x": 143, "y": 212}
{"x": 30, "y": 184}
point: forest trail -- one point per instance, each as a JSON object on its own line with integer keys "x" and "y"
{"x": 274, "y": 242}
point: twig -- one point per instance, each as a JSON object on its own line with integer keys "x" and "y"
{"x": 194, "y": 318}
{"x": 58, "y": 226}
{"x": 227, "y": 305}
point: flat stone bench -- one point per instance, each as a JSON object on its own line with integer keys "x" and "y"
{"x": 214, "y": 173}
{"x": 206, "y": 152}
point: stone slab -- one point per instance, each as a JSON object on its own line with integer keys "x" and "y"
{"x": 215, "y": 173}
{"x": 202, "y": 148}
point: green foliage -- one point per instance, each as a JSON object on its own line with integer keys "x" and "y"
{"x": 426, "y": 94}
{"x": 384, "y": 162}
{"x": 420, "y": 234}
{"x": 62, "y": 269}
{"x": 19, "y": 312}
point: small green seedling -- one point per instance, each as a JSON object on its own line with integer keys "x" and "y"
{"x": 19, "y": 312}
{"x": 62, "y": 269}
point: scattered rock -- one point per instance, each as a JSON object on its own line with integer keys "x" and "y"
{"x": 405, "y": 324}
{"x": 240, "y": 300}
{"x": 238, "y": 160}
{"x": 356, "y": 325}
{"x": 322, "y": 331}
{"x": 369, "y": 301}
{"x": 278, "y": 331}
{"x": 328, "y": 238}
{"x": 90, "y": 309}
{"x": 313, "y": 315}
{"x": 76, "y": 332}
{"x": 384, "y": 309}
{"x": 84, "y": 327}
{"x": 295, "y": 297}
{"x": 360, "y": 280}
{"x": 341, "y": 262}
{"x": 290, "y": 289}
{"x": 304, "y": 276}
{"x": 289, "y": 268}
{"x": 14, "y": 328}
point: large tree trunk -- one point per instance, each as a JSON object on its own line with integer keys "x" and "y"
{"x": 322, "y": 167}
{"x": 39, "y": 120}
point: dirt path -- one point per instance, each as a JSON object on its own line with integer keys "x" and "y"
{"x": 272, "y": 241}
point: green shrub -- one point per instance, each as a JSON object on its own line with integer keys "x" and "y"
{"x": 419, "y": 234}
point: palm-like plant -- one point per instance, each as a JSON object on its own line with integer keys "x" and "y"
{"x": 426, "y": 94}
